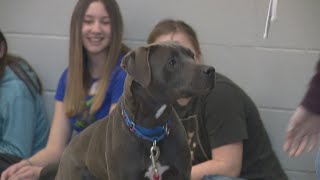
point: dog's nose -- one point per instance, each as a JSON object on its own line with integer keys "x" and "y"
{"x": 208, "y": 71}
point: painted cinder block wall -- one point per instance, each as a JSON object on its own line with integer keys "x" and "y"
{"x": 274, "y": 72}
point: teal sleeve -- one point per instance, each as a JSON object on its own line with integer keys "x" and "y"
{"x": 19, "y": 115}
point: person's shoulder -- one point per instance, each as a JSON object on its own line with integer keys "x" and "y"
{"x": 223, "y": 83}
{"x": 10, "y": 78}
{"x": 23, "y": 67}
{"x": 63, "y": 77}
{"x": 227, "y": 91}
{"x": 118, "y": 71}
{"x": 64, "y": 73}
{"x": 12, "y": 86}
{"x": 224, "y": 89}
{"x": 222, "y": 79}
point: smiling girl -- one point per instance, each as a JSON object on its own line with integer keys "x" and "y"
{"x": 89, "y": 88}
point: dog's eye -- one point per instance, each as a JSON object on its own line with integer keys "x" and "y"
{"x": 190, "y": 53}
{"x": 172, "y": 61}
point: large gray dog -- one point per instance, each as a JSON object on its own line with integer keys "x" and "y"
{"x": 142, "y": 138}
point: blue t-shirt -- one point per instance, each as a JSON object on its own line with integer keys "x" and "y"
{"x": 115, "y": 89}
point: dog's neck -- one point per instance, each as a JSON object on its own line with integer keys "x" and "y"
{"x": 144, "y": 109}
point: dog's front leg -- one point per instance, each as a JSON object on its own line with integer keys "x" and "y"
{"x": 70, "y": 167}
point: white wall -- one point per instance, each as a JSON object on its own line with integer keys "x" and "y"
{"x": 274, "y": 72}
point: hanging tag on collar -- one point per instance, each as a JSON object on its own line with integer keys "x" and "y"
{"x": 154, "y": 155}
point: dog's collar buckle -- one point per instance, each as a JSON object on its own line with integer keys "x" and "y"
{"x": 167, "y": 129}
{"x": 130, "y": 124}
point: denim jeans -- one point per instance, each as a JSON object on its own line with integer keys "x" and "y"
{"x": 317, "y": 165}
{"x": 219, "y": 177}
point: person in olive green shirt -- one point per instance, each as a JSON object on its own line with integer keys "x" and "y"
{"x": 226, "y": 136}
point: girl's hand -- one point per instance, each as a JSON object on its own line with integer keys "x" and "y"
{"x": 27, "y": 173}
{"x": 21, "y": 170}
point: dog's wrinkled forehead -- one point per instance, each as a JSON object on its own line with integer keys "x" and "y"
{"x": 173, "y": 47}
{"x": 137, "y": 62}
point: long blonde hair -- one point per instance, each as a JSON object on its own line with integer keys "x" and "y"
{"x": 78, "y": 80}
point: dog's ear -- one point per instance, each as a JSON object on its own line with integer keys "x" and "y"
{"x": 136, "y": 63}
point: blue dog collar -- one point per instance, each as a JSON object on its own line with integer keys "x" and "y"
{"x": 154, "y": 134}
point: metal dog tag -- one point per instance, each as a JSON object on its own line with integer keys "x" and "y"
{"x": 154, "y": 155}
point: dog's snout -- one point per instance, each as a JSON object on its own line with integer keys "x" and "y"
{"x": 208, "y": 71}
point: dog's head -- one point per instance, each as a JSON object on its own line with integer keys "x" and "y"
{"x": 168, "y": 71}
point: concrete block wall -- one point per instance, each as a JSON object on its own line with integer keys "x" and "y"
{"x": 274, "y": 72}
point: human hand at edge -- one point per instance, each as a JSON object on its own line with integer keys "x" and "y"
{"x": 27, "y": 173}
{"x": 16, "y": 169}
{"x": 302, "y": 132}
